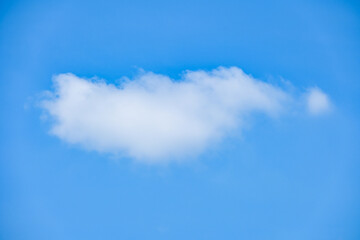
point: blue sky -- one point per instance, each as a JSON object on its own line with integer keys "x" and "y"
{"x": 290, "y": 176}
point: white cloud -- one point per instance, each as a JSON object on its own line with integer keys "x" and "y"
{"x": 153, "y": 118}
{"x": 317, "y": 102}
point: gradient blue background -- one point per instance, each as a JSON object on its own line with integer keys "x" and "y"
{"x": 297, "y": 177}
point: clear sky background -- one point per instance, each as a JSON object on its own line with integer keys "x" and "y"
{"x": 293, "y": 177}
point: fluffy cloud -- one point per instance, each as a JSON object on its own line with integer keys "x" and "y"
{"x": 154, "y": 118}
{"x": 317, "y": 102}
